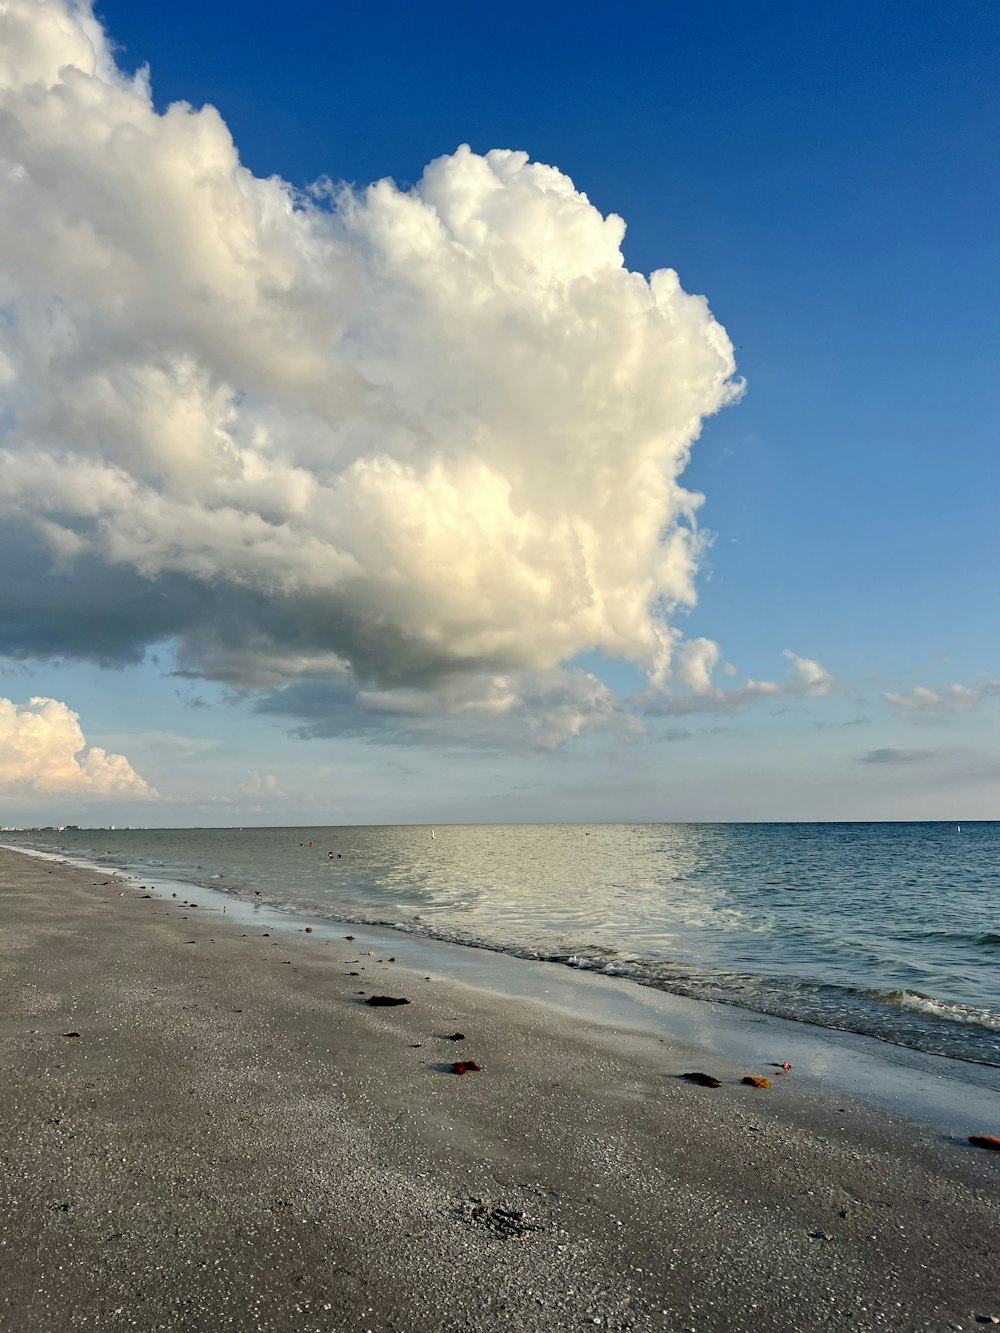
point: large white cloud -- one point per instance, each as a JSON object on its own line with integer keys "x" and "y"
{"x": 421, "y": 434}
{"x": 43, "y": 749}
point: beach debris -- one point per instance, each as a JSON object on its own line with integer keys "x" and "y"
{"x": 385, "y": 1001}
{"x": 354, "y": 974}
{"x": 783, "y": 1066}
{"x": 985, "y": 1141}
{"x": 466, "y": 1067}
{"x": 416, "y": 1045}
{"x": 371, "y": 953}
{"x": 704, "y": 1080}
{"x": 348, "y": 937}
{"x": 820, "y": 1235}
{"x": 392, "y": 960}
{"x": 756, "y": 1081}
{"x": 71, "y": 1034}
{"x": 456, "y": 1036}
{"x": 505, "y": 1223}
{"x": 309, "y": 930}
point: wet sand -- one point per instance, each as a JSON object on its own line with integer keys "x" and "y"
{"x": 235, "y": 1140}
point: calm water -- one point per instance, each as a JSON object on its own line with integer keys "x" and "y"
{"x": 887, "y": 929}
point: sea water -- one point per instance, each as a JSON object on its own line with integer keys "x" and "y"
{"x": 890, "y": 930}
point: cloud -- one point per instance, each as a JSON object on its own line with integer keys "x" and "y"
{"x": 950, "y": 699}
{"x": 410, "y": 435}
{"x": 42, "y": 749}
{"x": 695, "y": 661}
{"x": 527, "y": 711}
{"x": 260, "y": 784}
{"x": 898, "y": 756}
{"x": 166, "y": 743}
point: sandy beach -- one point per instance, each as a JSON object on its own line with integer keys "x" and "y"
{"x": 204, "y": 1126}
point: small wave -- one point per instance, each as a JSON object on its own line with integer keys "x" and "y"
{"x": 915, "y": 1002}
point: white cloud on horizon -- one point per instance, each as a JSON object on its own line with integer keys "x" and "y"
{"x": 429, "y": 435}
{"x": 954, "y": 698}
{"x": 43, "y": 750}
{"x": 260, "y": 784}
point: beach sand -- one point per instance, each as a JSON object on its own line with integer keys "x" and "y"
{"x": 235, "y": 1140}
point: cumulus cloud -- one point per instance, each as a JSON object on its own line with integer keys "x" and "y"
{"x": 43, "y": 749}
{"x": 949, "y": 699}
{"x": 695, "y": 661}
{"x": 411, "y": 436}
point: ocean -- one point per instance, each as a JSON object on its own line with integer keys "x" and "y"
{"x": 890, "y": 930}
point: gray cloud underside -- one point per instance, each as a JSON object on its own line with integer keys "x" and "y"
{"x": 891, "y": 755}
{"x": 528, "y": 712}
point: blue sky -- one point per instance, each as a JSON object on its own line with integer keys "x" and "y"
{"x": 828, "y": 177}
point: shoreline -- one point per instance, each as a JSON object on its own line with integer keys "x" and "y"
{"x": 236, "y": 1140}
{"x": 953, "y": 1096}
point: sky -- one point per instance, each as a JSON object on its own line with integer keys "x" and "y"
{"x": 489, "y": 415}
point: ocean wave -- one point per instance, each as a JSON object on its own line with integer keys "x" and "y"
{"x": 938, "y": 1027}
{"x": 950, "y": 1012}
